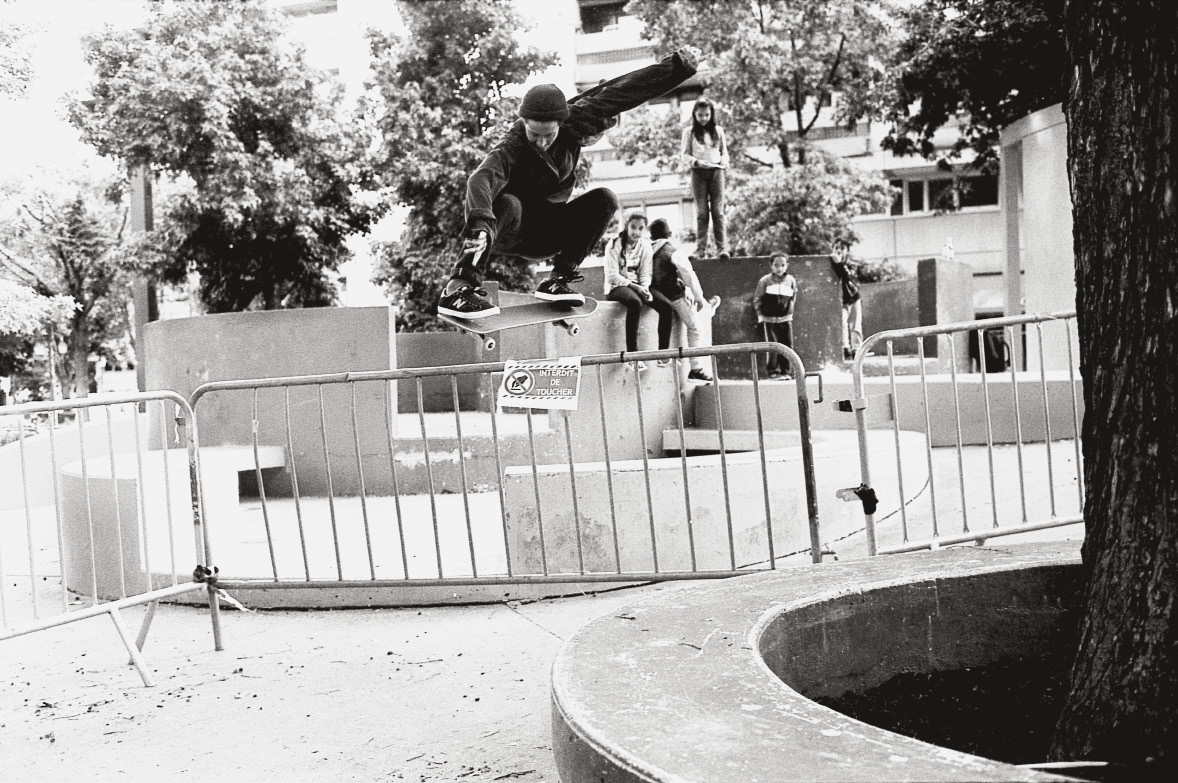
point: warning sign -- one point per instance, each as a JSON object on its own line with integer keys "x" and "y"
{"x": 541, "y": 383}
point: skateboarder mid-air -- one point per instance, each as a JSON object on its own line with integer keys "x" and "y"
{"x": 517, "y": 200}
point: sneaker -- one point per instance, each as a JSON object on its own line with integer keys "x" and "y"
{"x": 699, "y": 374}
{"x": 775, "y": 376}
{"x": 466, "y": 301}
{"x": 556, "y": 289}
{"x": 725, "y": 255}
{"x": 641, "y": 366}
{"x": 664, "y": 362}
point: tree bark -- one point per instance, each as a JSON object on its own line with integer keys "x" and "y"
{"x": 1122, "y": 151}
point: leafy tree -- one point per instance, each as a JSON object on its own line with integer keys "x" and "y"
{"x": 439, "y": 98}
{"x": 25, "y": 317}
{"x": 1122, "y": 705}
{"x": 68, "y": 246}
{"x": 991, "y": 63}
{"x": 773, "y": 58}
{"x": 802, "y": 209}
{"x": 15, "y": 66}
{"x": 651, "y": 134}
{"x": 216, "y": 94}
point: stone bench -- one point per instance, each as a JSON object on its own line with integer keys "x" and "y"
{"x": 710, "y": 682}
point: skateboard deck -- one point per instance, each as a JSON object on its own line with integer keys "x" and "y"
{"x": 512, "y": 317}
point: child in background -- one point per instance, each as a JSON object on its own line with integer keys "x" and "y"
{"x": 675, "y": 282}
{"x": 628, "y": 267}
{"x": 852, "y": 323}
{"x": 774, "y": 302}
{"x": 706, "y": 151}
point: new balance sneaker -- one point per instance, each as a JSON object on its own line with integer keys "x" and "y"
{"x": 699, "y": 374}
{"x": 556, "y": 289}
{"x": 467, "y": 301}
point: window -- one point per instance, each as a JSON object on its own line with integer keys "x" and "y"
{"x": 980, "y": 191}
{"x": 943, "y": 194}
{"x": 916, "y": 195}
{"x": 598, "y": 16}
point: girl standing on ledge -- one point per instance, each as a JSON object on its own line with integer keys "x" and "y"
{"x": 706, "y": 151}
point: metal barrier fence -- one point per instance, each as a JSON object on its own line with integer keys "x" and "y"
{"x": 352, "y": 493}
{"x": 93, "y": 514}
{"x": 1011, "y": 435}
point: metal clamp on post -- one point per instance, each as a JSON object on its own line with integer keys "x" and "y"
{"x": 850, "y": 406}
{"x": 863, "y": 493}
{"x": 203, "y": 573}
{"x": 879, "y": 405}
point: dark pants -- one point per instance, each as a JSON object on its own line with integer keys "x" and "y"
{"x": 707, "y": 187}
{"x": 779, "y": 333}
{"x": 539, "y": 230}
{"x": 634, "y": 304}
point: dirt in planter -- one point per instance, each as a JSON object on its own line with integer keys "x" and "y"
{"x": 1004, "y": 711}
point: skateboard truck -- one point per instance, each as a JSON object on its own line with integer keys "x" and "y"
{"x": 489, "y": 342}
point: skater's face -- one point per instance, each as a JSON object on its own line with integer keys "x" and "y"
{"x": 780, "y": 265}
{"x": 541, "y": 134}
{"x": 703, "y": 114}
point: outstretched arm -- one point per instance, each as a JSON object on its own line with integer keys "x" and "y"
{"x": 482, "y": 188}
{"x": 687, "y": 275}
{"x": 597, "y": 109}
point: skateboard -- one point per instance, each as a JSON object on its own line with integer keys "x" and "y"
{"x": 560, "y": 313}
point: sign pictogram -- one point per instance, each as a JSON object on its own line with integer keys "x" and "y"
{"x": 551, "y": 384}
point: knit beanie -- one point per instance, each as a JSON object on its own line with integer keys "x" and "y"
{"x": 544, "y": 102}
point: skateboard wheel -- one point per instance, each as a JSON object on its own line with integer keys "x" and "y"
{"x": 574, "y": 329}
{"x": 489, "y": 343}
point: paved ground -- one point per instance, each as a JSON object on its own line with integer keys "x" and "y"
{"x": 436, "y": 694}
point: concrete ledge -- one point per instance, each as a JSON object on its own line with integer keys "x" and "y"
{"x": 638, "y": 510}
{"x": 688, "y": 685}
{"x": 779, "y": 406}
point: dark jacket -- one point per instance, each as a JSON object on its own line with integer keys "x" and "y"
{"x": 774, "y": 299}
{"x": 516, "y": 167}
{"x": 850, "y": 290}
{"x": 665, "y": 275}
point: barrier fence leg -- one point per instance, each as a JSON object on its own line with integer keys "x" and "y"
{"x": 145, "y": 626}
{"x": 136, "y": 658}
{"x": 215, "y": 617}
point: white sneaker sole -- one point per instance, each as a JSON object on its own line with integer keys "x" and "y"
{"x": 573, "y": 298}
{"x": 468, "y": 316}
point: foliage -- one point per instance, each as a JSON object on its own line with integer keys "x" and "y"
{"x": 65, "y": 242}
{"x": 25, "y": 313}
{"x": 439, "y": 99}
{"x": 773, "y": 58}
{"x": 993, "y": 62}
{"x": 802, "y": 209}
{"x": 218, "y": 95}
{"x": 651, "y": 135}
{"x": 15, "y": 66}
{"x": 876, "y": 271}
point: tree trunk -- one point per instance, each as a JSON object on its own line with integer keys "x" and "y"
{"x": 79, "y": 348}
{"x": 1122, "y": 151}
